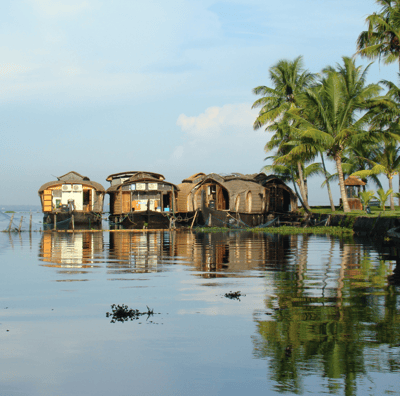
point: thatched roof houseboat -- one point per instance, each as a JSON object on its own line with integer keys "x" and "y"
{"x": 141, "y": 199}
{"x": 72, "y": 194}
{"x": 280, "y": 197}
{"x": 236, "y": 196}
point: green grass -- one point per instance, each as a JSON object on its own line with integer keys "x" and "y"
{"x": 356, "y": 213}
{"x": 307, "y": 230}
{"x": 284, "y": 230}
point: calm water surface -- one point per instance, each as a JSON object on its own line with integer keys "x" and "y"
{"x": 317, "y": 315}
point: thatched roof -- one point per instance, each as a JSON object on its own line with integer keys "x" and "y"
{"x": 73, "y": 176}
{"x": 196, "y": 178}
{"x": 96, "y": 186}
{"x": 354, "y": 181}
{"x": 139, "y": 177}
{"x": 129, "y": 174}
{"x": 234, "y": 185}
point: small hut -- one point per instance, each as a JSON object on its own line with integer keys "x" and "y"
{"x": 141, "y": 199}
{"x": 72, "y": 194}
{"x": 352, "y": 187}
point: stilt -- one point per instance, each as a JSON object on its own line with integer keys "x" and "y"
{"x": 20, "y": 224}
{"x": 12, "y": 218}
{"x": 194, "y": 218}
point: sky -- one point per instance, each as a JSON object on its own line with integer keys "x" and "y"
{"x": 101, "y": 87}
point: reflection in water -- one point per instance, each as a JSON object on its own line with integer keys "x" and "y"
{"x": 329, "y": 310}
{"x": 137, "y": 252}
{"x": 72, "y": 251}
{"x": 336, "y": 334}
{"x": 231, "y": 254}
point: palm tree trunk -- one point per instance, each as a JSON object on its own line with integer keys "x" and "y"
{"x": 390, "y": 177}
{"x": 327, "y": 184}
{"x": 302, "y": 188}
{"x": 338, "y": 160}
{"x": 297, "y": 193}
{"x": 399, "y": 183}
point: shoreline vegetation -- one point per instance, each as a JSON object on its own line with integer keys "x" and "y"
{"x": 284, "y": 230}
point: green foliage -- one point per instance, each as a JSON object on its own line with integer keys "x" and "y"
{"x": 382, "y": 39}
{"x": 383, "y": 196}
{"x": 366, "y": 197}
{"x": 286, "y": 230}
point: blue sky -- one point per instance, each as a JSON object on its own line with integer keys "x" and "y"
{"x": 101, "y": 87}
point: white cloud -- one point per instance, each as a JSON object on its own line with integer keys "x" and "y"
{"x": 216, "y": 121}
{"x": 221, "y": 140}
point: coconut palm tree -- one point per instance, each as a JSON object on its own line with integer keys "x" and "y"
{"x": 330, "y": 117}
{"x": 383, "y": 196}
{"x": 288, "y": 79}
{"x": 382, "y": 38}
{"x": 288, "y": 172}
{"x": 280, "y": 143}
{"x": 384, "y": 159}
{"x": 366, "y": 197}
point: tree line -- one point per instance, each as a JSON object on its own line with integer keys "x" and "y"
{"x": 335, "y": 114}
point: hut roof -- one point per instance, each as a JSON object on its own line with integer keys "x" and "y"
{"x": 158, "y": 176}
{"x": 96, "y": 186}
{"x": 196, "y": 178}
{"x": 234, "y": 185}
{"x": 139, "y": 178}
{"x": 354, "y": 181}
{"x": 72, "y": 176}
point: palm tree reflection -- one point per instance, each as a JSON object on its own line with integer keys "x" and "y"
{"x": 336, "y": 335}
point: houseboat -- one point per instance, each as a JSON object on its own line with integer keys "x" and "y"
{"x": 236, "y": 199}
{"x": 72, "y": 197}
{"x": 141, "y": 200}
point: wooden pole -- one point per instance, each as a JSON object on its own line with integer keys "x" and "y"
{"x": 194, "y": 218}
{"x": 12, "y": 218}
{"x": 55, "y": 221}
{"x": 30, "y": 222}
{"x": 20, "y": 224}
{"x": 73, "y": 222}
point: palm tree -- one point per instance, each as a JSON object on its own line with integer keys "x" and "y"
{"x": 383, "y": 196}
{"x": 365, "y": 197}
{"x": 289, "y": 80}
{"x": 385, "y": 159}
{"x": 328, "y": 117}
{"x": 288, "y": 172}
{"x": 382, "y": 39}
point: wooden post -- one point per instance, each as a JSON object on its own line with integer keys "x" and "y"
{"x": 12, "y": 218}
{"x": 209, "y": 220}
{"x": 194, "y": 218}
{"x": 20, "y": 224}
{"x": 55, "y": 221}
{"x": 30, "y": 222}
{"x": 73, "y": 223}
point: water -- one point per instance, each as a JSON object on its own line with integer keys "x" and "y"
{"x": 316, "y": 315}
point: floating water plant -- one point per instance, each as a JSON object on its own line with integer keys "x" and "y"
{"x": 122, "y": 313}
{"x": 234, "y": 295}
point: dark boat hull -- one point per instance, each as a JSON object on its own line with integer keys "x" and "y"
{"x": 138, "y": 220}
{"x": 65, "y": 221}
